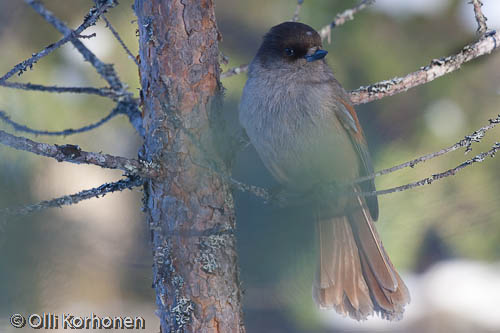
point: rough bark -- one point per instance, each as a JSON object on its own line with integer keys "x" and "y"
{"x": 190, "y": 211}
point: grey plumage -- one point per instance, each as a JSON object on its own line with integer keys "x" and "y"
{"x": 286, "y": 102}
{"x": 302, "y": 124}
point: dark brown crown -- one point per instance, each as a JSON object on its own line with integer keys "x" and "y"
{"x": 288, "y": 40}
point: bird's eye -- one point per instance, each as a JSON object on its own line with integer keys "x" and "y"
{"x": 289, "y": 52}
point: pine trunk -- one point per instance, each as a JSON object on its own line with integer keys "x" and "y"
{"x": 190, "y": 212}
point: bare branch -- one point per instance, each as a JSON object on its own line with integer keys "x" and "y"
{"x": 259, "y": 192}
{"x": 429, "y": 180}
{"x": 119, "y": 39}
{"x": 23, "y": 128}
{"x": 437, "y": 68}
{"x": 104, "y": 92}
{"x": 106, "y": 71}
{"x": 89, "y": 20}
{"x": 81, "y": 36}
{"x": 324, "y": 32}
{"x": 72, "y": 199}
{"x": 128, "y": 107}
{"x": 234, "y": 71}
{"x": 465, "y": 142}
{"x": 282, "y": 198}
{"x": 74, "y": 154}
{"x": 480, "y": 18}
{"x": 295, "y": 17}
{"x": 223, "y": 58}
{"x": 345, "y": 16}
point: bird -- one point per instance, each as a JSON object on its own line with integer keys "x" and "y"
{"x": 306, "y": 132}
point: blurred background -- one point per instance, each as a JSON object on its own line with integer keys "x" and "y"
{"x": 95, "y": 256}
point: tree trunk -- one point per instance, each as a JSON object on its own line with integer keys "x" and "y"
{"x": 190, "y": 211}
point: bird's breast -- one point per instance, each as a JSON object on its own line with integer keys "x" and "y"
{"x": 294, "y": 128}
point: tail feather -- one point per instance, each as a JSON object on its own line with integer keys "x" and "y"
{"x": 369, "y": 241}
{"x": 340, "y": 283}
{"x": 390, "y": 305}
{"x": 355, "y": 276}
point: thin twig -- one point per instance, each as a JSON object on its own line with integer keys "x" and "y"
{"x": 345, "y": 16}
{"x": 106, "y": 71}
{"x": 105, "y": 92}
{"x": 324, "y": 32}
{"x": 92, "y": 35}
{"x": 295, "y": 17}
{"x": 437, "y": 68}
{"x": 72, "y": 199}
{"x": 480, "y": 18}
{"x": 465, "y": 142}
{"x": 74, "y": 154}
{"x": 451, "y": 172}
{"x": 223, "y": 58}
{"x": 89, "y": 20}
{"x": 234, "y": 71}
{"x": 263, "y": 193}
{"x": 23, "y": 128}
{"x": 119, "y": 39}
{"x": 209, "y": 163}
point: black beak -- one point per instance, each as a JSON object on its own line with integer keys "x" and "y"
{"x": 319, "y": 54}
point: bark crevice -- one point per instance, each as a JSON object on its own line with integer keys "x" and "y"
{"x": 190, "y": 212}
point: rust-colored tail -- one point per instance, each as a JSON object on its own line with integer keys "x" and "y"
{"x": 355, "y": 276}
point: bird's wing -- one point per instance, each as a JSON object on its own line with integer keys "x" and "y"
{"x": 349, "y": 119}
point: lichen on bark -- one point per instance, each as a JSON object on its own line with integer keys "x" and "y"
{"x": 196, "y": 283}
